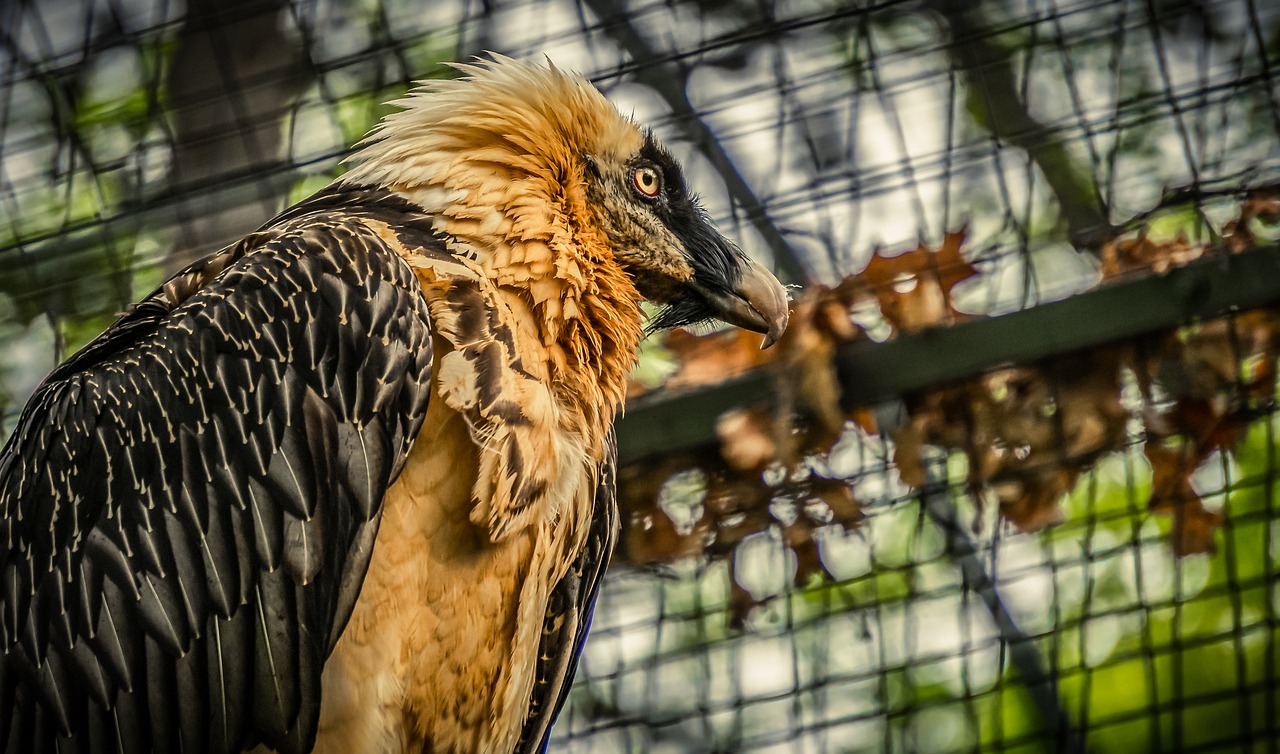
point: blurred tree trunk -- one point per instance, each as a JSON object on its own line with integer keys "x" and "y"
{"x": 986, "y": 67}
{"x": 231, "y": 82}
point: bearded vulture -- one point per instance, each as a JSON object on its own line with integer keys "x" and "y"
{"x": 347, "y": 485}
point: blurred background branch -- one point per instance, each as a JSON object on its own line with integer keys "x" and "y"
{"x": 230, "y": 88}
{"x": 986, "y": 66}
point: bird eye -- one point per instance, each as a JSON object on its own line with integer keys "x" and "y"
{"x": 647, "y": 180}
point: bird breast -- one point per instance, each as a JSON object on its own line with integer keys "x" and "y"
{"x": 493, "y": 506}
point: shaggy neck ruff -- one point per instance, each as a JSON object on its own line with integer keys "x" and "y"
{"x": 500, "y": 161}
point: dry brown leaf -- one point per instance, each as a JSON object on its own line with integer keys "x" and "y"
{"x": 713, "y": 358}
{"x": 913, "y": 289}
{"x": 799, "y": 537}
{"x": 1260, "y": 204}
{"x": 738, "y": 505}
{"x": 1238, "y": 236}
{"x": 865, "y": 419}
{"x": 747, "y": 438}
{"x": 1193, "y": 529}
{"x": 1171, "y": 470}
{"x": 1210, "y": 359}
{"x": 1263, "y": 204}
{"x": 729, "y": 492}
{"x": 908, "y": 445}
{"x": 1026, "y": 431}
{"x": 1262, "y": 377}
{"x": 1088, "y": 390}
{"x": 1124, "y": 255}
{"x": 804, "y": 374}
{"x": 831, "y": 315}
{"x": 1260, "y": 331}
{"x": 1172, "y": 494}
{"x": 1011, "y": 423}
{"x": 1202, "y": 369}
{"x": 949, "y": 264}
{"x": 1204, "y": 421}
{"x": 1030, "y": 500}
{"x": 652, "y": 538}
{"x": 649, "y": 536}
{"x": 945, "y": 417}
{"x": 838, "y": 496}
{"x": 806, "y": 382}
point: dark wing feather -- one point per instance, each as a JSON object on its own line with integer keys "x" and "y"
{"x": 569, "y": 611}
{"x": 189, "y": 503}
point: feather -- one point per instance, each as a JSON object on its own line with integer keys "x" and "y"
{"x": 192, "y": 703}
{"x": 188, "y": 574}
{"x": 90, "y": 672}
{"x": 161, "y": 691}
{"x": 275, "y": 694}
{"x": 229, "y": 656}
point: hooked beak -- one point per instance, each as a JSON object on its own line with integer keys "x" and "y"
{"x": 758, "y": 303}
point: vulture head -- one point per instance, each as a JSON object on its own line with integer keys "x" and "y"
{"x": 538, "y": 178}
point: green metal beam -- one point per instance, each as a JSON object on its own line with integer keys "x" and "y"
{"x": 873, "y": 372}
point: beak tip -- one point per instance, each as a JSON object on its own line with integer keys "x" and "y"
{"x": 776, "y": 328}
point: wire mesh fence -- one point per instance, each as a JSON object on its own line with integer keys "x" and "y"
{"x": 1053, "y": 552}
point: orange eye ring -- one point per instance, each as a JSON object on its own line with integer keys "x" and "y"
{"x": 647, "y": 180}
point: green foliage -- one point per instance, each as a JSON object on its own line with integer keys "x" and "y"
{"x": 1168, "y": 645}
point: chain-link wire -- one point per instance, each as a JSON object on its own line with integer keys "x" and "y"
{"x": 136, "y": 135}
